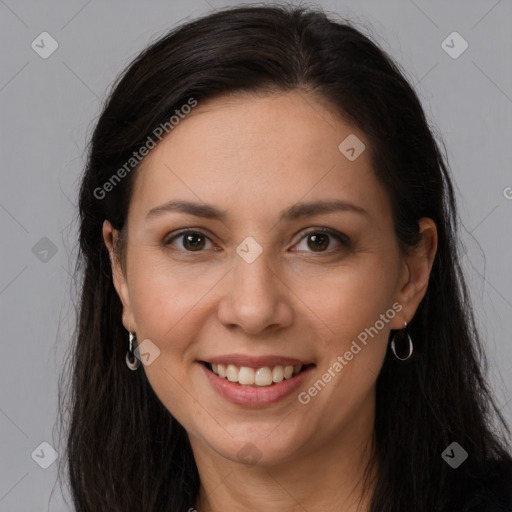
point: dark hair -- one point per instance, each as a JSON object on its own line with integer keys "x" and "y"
{"x": 125, "y": 451}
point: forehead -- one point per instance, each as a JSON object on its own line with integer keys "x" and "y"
{"x": 257, "y": 151}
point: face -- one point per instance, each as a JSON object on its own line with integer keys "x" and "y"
{"x": 270, "y": 278}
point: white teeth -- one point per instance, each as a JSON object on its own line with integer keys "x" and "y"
{"x": 264, "y": 376}
{"x": 278, "y": 374}
{"x": 232, "y": 373}
{"x": 246, "y": 376}
{"x": 288, "y": 372}
{"x": 221, "y": 370}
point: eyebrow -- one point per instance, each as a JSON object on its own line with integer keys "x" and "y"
{"x": 297, "y": 211}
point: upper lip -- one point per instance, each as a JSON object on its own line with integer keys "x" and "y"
{"x": 256, "y": 361}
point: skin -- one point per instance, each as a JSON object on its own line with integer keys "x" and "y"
{"x": 254, "y": 156}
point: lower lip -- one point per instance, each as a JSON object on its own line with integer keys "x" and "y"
{"x": 255, "y": 396}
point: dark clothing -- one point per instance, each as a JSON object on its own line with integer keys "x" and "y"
{"x": 485, "y": 489}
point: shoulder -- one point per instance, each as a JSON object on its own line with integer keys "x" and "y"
{"x": 482, "y": 488}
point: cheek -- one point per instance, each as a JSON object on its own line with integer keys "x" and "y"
{"x": 165, "y": 299}
{"x": 354, "y": 317}
{"x": 166, "y": 304}
{"x": 350, "y": 299}
{"x": 353, "y": 310}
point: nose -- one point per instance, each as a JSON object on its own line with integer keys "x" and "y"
{"x": 256, "y": 297}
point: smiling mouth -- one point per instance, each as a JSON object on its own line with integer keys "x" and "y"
{"x": 265, "y": 376}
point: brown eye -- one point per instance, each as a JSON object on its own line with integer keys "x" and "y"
{"x": 192, "y": 241}
{"x": 320, "y": 239}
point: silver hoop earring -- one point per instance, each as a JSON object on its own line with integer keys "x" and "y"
{"x": 131, "y": 361}
{"x": 400, "y": 337}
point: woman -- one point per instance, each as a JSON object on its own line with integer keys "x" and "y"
{"x": 269, "y": 227}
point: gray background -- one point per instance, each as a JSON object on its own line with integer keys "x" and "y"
{"x": 49, "y": 107}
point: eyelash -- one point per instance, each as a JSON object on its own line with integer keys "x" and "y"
{"x": 340, "y": 237}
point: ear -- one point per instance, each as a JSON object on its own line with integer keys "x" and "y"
{"x": 417, "y": 265}
{"x": 110, "y": 236}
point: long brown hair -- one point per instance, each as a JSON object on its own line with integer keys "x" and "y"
{"x": 124, "y": 450}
